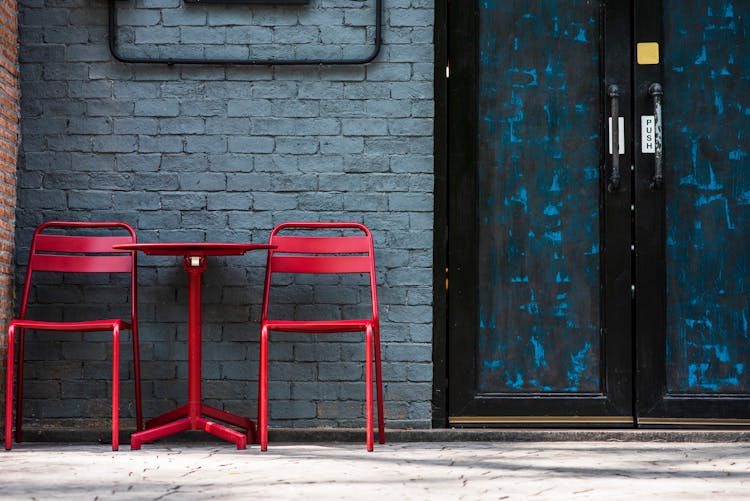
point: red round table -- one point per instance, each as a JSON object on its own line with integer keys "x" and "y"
{"x": 193, "y": 415}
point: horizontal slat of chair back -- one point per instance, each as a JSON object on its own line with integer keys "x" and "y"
{"x": 70, "y": 244}
{"x": 321, "y": 245}
{"x": 320, "y": 264}
{"x": 81, "y": 264}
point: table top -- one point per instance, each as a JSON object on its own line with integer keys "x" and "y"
{"x": 193, "y": 248}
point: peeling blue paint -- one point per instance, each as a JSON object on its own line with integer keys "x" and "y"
{"x": 560, "y": 310}
{"x": 701, "y": 59}
{"x": 719, "y": 103}
{"x": 539, "y": 359}
{"x": 516, "y": 382}
{"x": 555, "y": 184}
{"x": 521, "y": 198}
{"x": 708, "y": 208}
{"x": 721, "y": 352}
{"x": 539, "y": 155}
{"x": 578, "y": 367}
{"x": 737, "y": 154}
{"x": 492, "y": 364}
{"x": 554, "y": 236}
{"x": 551, "y": 210}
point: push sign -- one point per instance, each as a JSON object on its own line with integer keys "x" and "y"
{"x": 648, "y": 134}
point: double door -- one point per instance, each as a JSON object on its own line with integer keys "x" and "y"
{"x": 599, "y": 212}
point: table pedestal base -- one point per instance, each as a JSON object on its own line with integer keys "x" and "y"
{"x": 191, "y": 416}
{"x": 182, "y": 419}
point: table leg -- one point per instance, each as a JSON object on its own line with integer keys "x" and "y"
{"x": 239, "y": 439}
{"x": 201, "y": 423}
{"x": 141, "y": 437}
{"x": 195, "y": 269}
{"x": 233, "y": 419}
{"x": 168, "y": 417}
{"x": 190, "y": 416}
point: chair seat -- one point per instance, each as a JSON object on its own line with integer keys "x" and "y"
{"x": 85, "y": 326}
{"x": 320, "y": 326}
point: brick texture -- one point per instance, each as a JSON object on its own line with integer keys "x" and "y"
{"x": 9, "y": 139}
{"x": 212, "y": 152}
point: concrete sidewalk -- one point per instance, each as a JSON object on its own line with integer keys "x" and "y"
{"x": 399, "y": 471}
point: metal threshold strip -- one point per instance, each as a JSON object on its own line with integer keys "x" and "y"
{"x": 700, "y": 422}
{"x": 525, "y": 420}
{"x": 600, "y": 420}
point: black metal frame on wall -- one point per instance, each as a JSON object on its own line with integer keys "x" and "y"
{"x": 259, "y": 2}
{"x": 115, "y": 49}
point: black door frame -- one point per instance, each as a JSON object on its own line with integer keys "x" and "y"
{"x": 440, "y": 234}
{"x": 649, "y": 402}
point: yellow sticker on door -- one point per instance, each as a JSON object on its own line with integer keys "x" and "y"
{"x": 648, "y": 53}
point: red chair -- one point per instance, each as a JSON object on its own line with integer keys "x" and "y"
{"x": 303, "y": 249}
{"x": 70, "y": 248}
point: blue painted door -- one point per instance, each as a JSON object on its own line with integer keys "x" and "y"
{"x": 692, "y": 233}
{"x": 539, "y": 303}
{"x": 599, "y": 210}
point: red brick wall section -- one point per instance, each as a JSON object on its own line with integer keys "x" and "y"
{"x": 9, "y": 143}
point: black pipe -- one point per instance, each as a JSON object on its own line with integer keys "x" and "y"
{"x": 114, "y": 49}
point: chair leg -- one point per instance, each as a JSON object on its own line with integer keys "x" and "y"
{"x": 368, "y": 388}
{"x": 263, "y": 390}
{"x": 116, "y": 388}
{"x": 19, "y": 386}
{"x": 137, "y": 379}
{"x": 9, "y": 388}
{"x": 379, "y": 381}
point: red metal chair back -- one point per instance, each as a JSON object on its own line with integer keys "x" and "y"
{"x": 307, "y": 254}
{"x": 67, "y": 253}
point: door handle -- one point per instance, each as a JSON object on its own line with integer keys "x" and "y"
{"x": 614, "y": 95}
{"x": 656, "y": 92}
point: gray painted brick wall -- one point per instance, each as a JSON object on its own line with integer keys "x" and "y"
{"x": 224, "y": 153}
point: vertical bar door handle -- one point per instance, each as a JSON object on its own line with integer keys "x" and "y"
{"x": 656, "y": 92}
{"x": 614, "y": 95}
